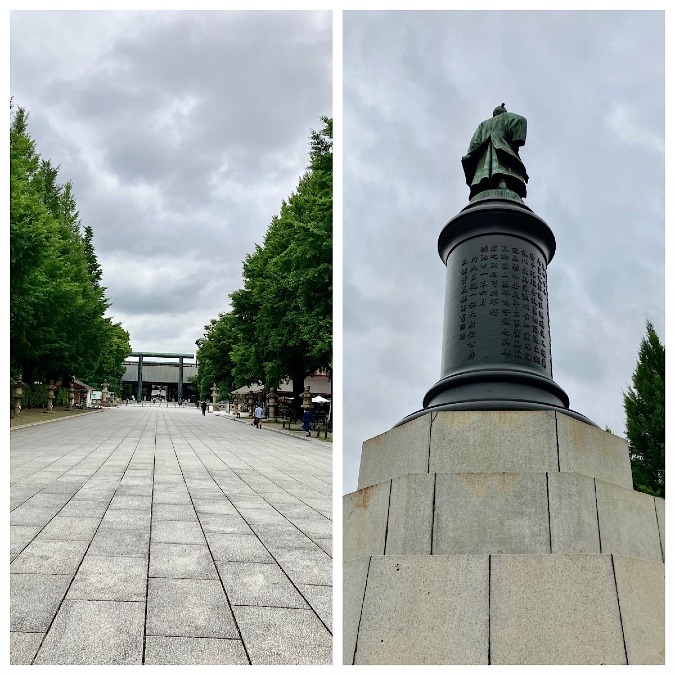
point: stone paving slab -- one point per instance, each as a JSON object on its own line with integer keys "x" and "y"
{"x": 193, "y": 651}
{"x": 23, "y": 647}
{"x": 95, "y": 633}
{"x": 259, "y": 584}
{"x": 135, "y": 532}
{"x": 275, "y": 635}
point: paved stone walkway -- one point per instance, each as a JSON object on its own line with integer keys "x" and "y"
{"x": 159, "y": 536}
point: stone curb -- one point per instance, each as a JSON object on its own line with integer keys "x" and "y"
{"x": 57, "y": 419}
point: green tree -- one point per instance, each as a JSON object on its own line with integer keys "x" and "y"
{"x": 284, "y": 311}
{"x": 644, "y": 404}
{"x": 214, "y": 356}
{"x": 57, "y": 306}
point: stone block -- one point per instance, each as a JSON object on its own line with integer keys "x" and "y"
{"x": 187, "y": 651}
{"x": 50, "y": 557}
{"x": 573, "y": 513}
{"x": 482, "y": 441}
{"x": 281, "y": 636}
{"x": 320, "y": 598}
{"x": 109, "y": 633}
{"x": 23, "y": 647}
{"x": 354, "y": 576}
{"x": 554, "y": 609}
{"x": 641, "y": 588}
{"x": 182, "y": 561}
{"x": 35, "y": 599}
{"x": 237, "y": 548}
{"x": 410, "y": 515}
{"x": 591, "y": 451}
{"x": 628, "y": 523}
{"x": 425, "y": 610}
{"x": 189, "y": 608}
{"x": 110, "y": 578}
{"x": 306, "y": 567}
{"x": 365, "y": 521}
{"x": 491, "y": 513}
{"x": 660, "y": 505}
{"x": 258, "y": 584}
{"x": 399, "y": 451}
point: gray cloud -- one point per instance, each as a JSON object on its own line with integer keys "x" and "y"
{"x": 182, "y": 132}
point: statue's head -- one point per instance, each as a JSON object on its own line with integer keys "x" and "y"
{"x": 498, "y": 110}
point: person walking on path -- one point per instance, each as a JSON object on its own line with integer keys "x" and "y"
{"x": 258, "y": 416}
{"x": 204, "y": 408}
{"x": 307, "y": 419}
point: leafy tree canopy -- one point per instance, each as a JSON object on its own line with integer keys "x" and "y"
{"x": 280, "y": 324}
{"x": 57, "y": 305}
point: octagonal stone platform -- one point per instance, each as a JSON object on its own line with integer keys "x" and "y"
{"x": 501, "y": 537}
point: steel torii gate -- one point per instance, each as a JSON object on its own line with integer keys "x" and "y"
{"x": 180, "y": 358}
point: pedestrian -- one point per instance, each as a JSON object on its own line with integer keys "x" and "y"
{"x": 204, "y": 408}
{"x": 258, "y": 416}
{"x": 307, "y": 419}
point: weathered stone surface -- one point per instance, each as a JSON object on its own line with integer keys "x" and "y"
{"x": 282, "y": 636}
{"x": 258, "y": 584}
{"x": 628, "y": 523}
{"x": 306, "y": 566}
{"x": 177, "y": 532}
{"x": 23, "y": 647}
{"x": 189, "y": 608}
{"x": 67, "y": 528}
{"x": 410, "y": 515}
{"x": 401, "y": 450}
{"x": 354, "y": 574}
{"x": 181, "y": 561}
{"x": 491, "y": 513}
{"x": 364, "y": 514}
{"x": 127, "y": 543}
{"x": 237, "y": 548}
{"x": 110, "y": 578}
{"x": 320, "y": 599}
{"x": 425, "y": 610}
{"x": 554, "y": 609}
{"x": 573, "y": 513}
{"x": 50, "y": 557}
{"x": 660, "y": 506}
{"x": 95, "y": 633}
{"x": 586, "y": 449}
{"x": 493, "y": 441}
{"x": 180, "y": 651}
{"x": 640, "y": 585}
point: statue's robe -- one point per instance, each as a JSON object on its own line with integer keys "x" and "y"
{"x": 493, "y": 155}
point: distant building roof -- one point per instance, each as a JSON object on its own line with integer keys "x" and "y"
{"x": 318, "y": 384}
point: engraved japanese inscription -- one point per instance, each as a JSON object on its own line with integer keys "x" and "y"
{"x": 498, "y": 310}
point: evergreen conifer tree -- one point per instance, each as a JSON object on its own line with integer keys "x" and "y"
{"x": 644, "y": 404}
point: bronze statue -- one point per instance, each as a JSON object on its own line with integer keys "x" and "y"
{"x": 492, "y": 160}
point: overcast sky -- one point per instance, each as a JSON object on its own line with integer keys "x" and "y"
{"x": 416, "y": 86}
{"x": 182, "y": 132}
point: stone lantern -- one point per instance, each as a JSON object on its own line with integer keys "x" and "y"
{"x": 17, "y": 396}
{"x": 71, "y": 393}
{"x": 214, "y": 397}
{"x": 272, "y": 403}
{"x": 306, "y": 399}
{"x": 104, "y": 394}
{"x": 50, "y": 395}
{"x": 250, "y": 401}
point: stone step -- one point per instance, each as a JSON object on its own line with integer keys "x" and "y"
{"x": 503, "y": 609}
{"x": 471, "y": 513}
{"x": 495, "y": 441}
